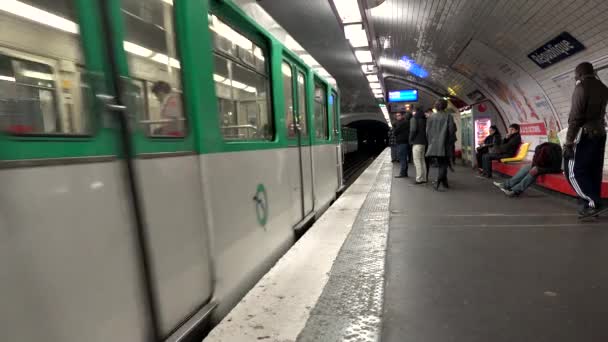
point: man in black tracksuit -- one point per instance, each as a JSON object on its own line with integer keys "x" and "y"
{"x": 586, "y": 140}
{"x": 402, "y": 138}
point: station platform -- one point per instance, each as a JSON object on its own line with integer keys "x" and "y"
{"x": 393, "y": 261}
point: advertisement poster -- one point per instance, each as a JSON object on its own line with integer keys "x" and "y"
{"x": 515, "y": 92}
{"x": 482, "y": 130}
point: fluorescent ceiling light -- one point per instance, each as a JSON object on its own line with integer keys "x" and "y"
{"x": 372, "y": 78}
{"x": 375, "y": 86}
{"x": 378, "y": 96}
{"x": 356, "y": 35}
{"x": 26, "y": 11}
{"x": 38, "y": 75}
{"x": 218, "y": 78}
{"x": 137, "y": 50}
{"x": 170, "y": 2}
{"x": 348, "y": 10}
{"x": 164, "y": 59}
{"x": 367, "y": 68}
{"x": 7, "y": 78}
{"x": 364, "y": 56}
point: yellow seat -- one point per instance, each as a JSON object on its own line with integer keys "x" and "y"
{"x": 521, "y": 154}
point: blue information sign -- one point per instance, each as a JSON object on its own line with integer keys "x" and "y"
{"x": 559, "y": 48}
{"x": 407, "y": 95}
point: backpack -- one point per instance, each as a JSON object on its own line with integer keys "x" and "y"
{"x": 548, "y": 156}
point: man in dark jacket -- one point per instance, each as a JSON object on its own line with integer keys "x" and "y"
{"x": 490, "y": 141}
{"x": 507, "y": 148}
{"x": 586, "y": 140}
{"x": 393, "y": 144}
{"x": 418, "y": 142}
{"x": 547, "y": 159}
{"x": 402, "y": 137}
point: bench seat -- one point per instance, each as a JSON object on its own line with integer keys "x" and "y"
{"x": 556, "y": 181}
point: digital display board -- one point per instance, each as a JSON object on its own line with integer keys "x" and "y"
{"x": 406, "y": 95}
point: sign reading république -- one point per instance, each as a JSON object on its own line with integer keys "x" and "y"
{"x": 555, "y": 50}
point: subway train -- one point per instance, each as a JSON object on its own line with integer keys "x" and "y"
{"x": 349, "y": 142}
{"x": 156, "y": 158}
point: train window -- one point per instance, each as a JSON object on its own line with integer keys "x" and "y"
{"x": 302, "y": 104}
{"x": 288, "y": 95}
{"x": 241, "y": 85}
{"x": 38, "y": 95}
{"x": 149, "y": 40}
{"x": 321, "y": 129}
{"x": 336, "y": 117}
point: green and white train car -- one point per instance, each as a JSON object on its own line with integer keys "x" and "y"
{"x": 156, "y": 158}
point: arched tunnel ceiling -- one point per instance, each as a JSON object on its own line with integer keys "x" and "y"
{"x": 315, "y": 26}
{"x": 468, "y": 45}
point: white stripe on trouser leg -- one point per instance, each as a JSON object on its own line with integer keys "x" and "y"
{"x": 575, "y": 184}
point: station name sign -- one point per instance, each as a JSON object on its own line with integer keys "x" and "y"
{"x": 555, "y": 50}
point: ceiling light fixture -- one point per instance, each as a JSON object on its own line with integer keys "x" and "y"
{"x": 348, "y": 11}
{"x": 372, "y": 78}
{"x": 356, "y": 35}
{"x": 375, "y": 85}
{"x": 364, "y": 56}
{"x": 26, "y": 11}
{"x": 368, "y": 68}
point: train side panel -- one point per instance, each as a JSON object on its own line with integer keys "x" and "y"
{"x": 247, "y": 239}
{"x": 68, "y": 263}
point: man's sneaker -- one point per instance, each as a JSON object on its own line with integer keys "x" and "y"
{"x": 591, "y": 212}
{"x": 509, "y": 193}
{"x": 499, "y": 185}
{"x": 587, "y": 213}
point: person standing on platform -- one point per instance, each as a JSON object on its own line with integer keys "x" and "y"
{"x": 393, "y": 144}
{"x": 440, "y": 132}
{"x": 418, "y": 142}
{"x": 402, "y": 138}
{"x": 586, "y": 140}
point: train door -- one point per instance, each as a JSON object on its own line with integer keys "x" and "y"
{"x": 294, "y": 86}
{"x": 334, "y": 107}
{"x": 163, "y": 163}
{"x": 305, "y": 144}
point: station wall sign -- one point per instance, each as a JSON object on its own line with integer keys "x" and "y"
{"x": 555, "y": 50}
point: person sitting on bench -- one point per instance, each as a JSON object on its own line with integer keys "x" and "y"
{"x": 547, "y": 159}
{"x": 490, "y": 141}
{"x": 506, "y": 149}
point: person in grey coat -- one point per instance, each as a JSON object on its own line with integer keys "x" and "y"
{"x": 441, "y": 134}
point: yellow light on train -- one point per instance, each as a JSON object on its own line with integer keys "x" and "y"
{"x": 137, "y": 50}
{"x": 26, "y": 11}
{"x": 7, "y": 78}
{"x": 36, "y": 74}
{"x": 164, "y": 59}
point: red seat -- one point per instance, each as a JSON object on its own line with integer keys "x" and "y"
{"x": 556, "y": 181}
